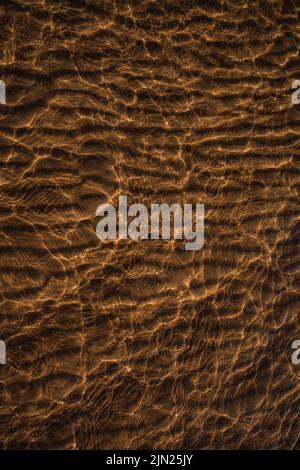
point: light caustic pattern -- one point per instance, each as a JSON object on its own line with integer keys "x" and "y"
{"x": 128, "y": 344}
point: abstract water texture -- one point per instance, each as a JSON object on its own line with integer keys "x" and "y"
{"x": 142, "y": 344}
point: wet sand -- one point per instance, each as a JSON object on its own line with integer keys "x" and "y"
{"x": 134, "y": 345}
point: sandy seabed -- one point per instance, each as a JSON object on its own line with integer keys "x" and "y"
{"x": 134, "y": 345}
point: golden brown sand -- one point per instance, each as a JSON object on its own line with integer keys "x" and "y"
{"x": 142, "y": 344}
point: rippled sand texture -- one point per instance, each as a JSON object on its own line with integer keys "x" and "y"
{"x": 143, "y": 344}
